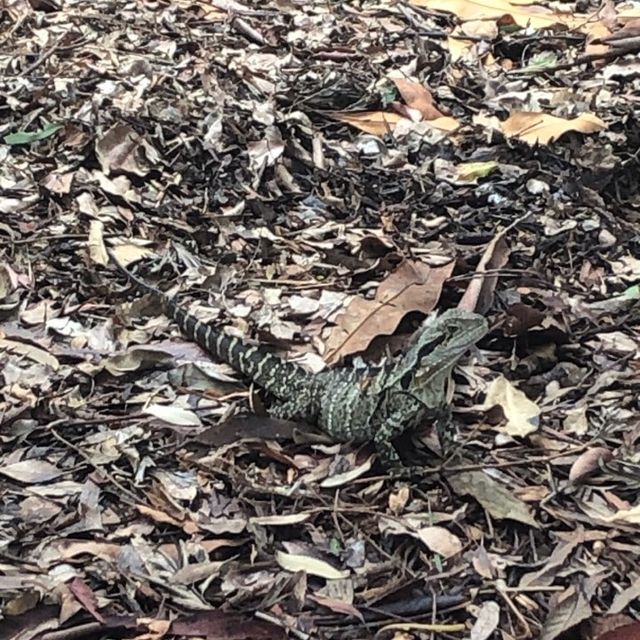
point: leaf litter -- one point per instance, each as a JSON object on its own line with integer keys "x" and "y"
{"x": 319, "y": 178}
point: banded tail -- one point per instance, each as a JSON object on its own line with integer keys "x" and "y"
{"x": 274, "y": 374}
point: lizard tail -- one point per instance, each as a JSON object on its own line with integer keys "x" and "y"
{"x": 257, "y": 363}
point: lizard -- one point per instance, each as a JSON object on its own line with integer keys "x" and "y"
{"x": 356, "y": 403}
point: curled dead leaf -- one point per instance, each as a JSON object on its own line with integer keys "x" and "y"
{"x": 588, "y": 462}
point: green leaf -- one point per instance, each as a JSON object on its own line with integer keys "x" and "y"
{"x": 542, "y": 60}
{"x": 25, "y": 137}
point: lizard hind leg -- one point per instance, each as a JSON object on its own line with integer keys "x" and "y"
{"x": 387, "y": 454}
{"x": 294, "y": 409}
{"x": 445, "y": 431}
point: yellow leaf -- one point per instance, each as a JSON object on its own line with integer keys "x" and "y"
{"x": 523, "y": 415}
{"x": 313, "y": 566}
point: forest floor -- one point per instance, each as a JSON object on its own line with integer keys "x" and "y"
{"x": 318, "y": 177}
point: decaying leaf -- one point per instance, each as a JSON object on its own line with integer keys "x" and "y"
{"x": 497, "y": 499}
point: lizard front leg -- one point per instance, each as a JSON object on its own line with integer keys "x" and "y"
{"x": 391, "y": 426}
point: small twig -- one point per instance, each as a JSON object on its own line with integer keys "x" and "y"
{"x": 44, "y": 56}
{"x": 247, "y": 30}
{"x": 608, "y": 55}
{"x": 125, "y": 492}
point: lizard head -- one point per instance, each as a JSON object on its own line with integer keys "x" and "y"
{"x": 436, "y": 348}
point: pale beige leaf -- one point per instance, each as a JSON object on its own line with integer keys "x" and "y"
{"x": 440, "y": 541}
{"x": 97, "y": 250}
{"x": 173, "y": 415}
{"x": 313, "y": 566}
{"x": 377, "y": 123}
{"x": 129, "y": 252}
{"x": 278, "y": 520}
{"x": 341, "y": 479}
{"x": 29, "y": 351}
{"x": 629, "y": 516}
{"x": 523, "y": 14}
{"x": 486, "y": 622}
{"x": 576, "y": 421}
{"x": 31, "y": 471}
{"x": 522, "y": 414}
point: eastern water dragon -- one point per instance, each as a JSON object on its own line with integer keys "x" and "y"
{"x": 360, "y": 403}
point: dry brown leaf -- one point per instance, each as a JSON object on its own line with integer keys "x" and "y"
{"x": 378, "y": 123}
{"x": 417, "y": 97}
{"x": 570, "y": 607}
{"x": 536, "y": 127}
{"x": 59, "y": 183}
{"x": 629, "y": 631}
{"x": 588, "y": 462}
{"x": 339, "y": 606}
{"x": 413, "y": 286}
{"x": 479, "y": 293}
{"x": 530, "y": 15}
{"x": 120, "y": 149}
